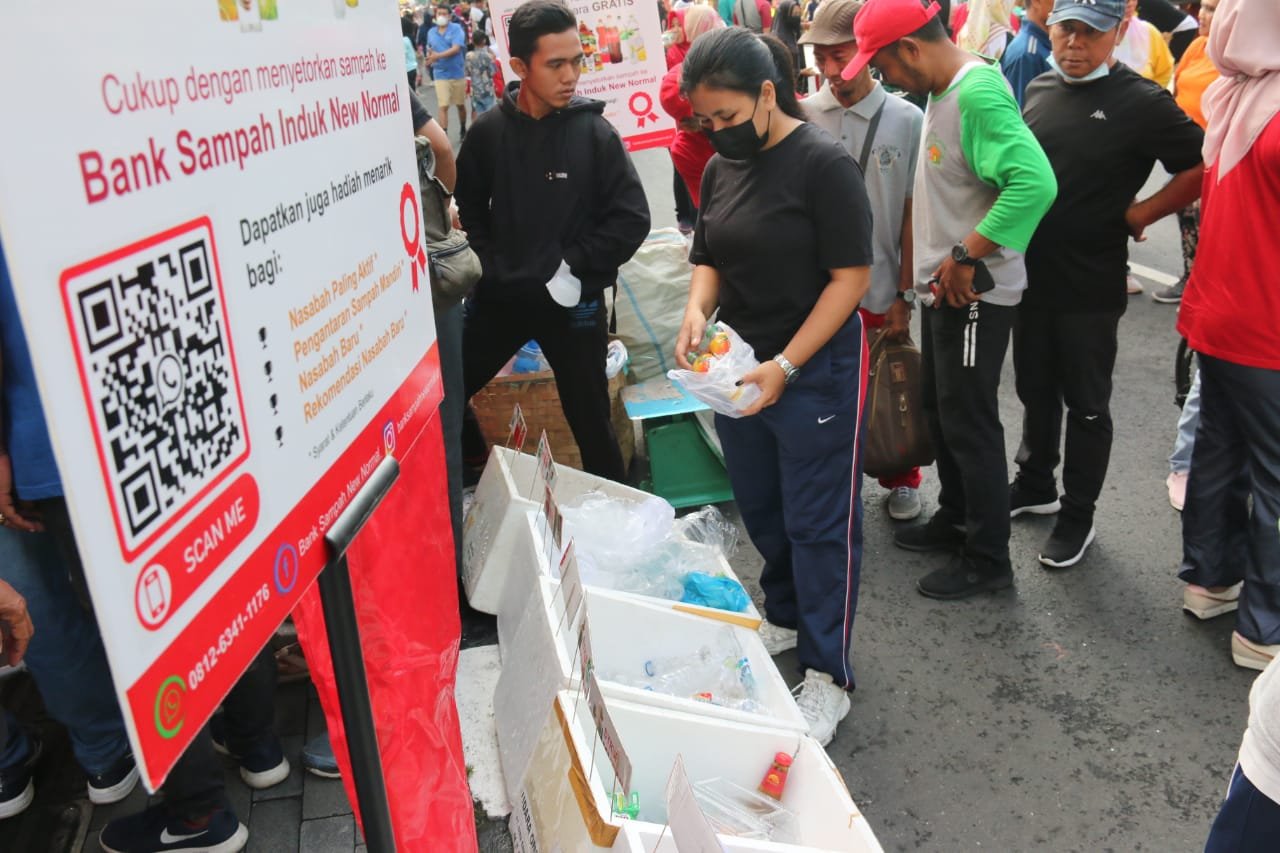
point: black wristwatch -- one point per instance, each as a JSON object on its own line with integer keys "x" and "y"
{"x": 908, "y": 296}
{"x": 960, "y": 254}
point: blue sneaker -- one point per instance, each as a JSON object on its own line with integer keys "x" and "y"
{"x": 261, "y": 765}
{"x": 115, "y": 783}
{"x": 154, "y": 830}
{"x": 318, "y": 759}
{"x": 17, "y": 786}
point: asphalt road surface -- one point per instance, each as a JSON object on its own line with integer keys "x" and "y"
{"x": 1081, "y": 710}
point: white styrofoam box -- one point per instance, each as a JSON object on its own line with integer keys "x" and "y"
{"x": 815, "y": 793}
{"x": 539, "y": 657}
{"x": 508, "y": 491}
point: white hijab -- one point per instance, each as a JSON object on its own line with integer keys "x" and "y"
{"x": 1242, "y": 102}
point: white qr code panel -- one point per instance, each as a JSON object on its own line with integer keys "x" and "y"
{"x": 158, "y": 373}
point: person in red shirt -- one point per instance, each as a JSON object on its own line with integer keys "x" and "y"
{"x": 690, "y": 149}
{"x": 1230, "y": 315}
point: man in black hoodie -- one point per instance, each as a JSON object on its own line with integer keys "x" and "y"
{"x": 553, "y": 206}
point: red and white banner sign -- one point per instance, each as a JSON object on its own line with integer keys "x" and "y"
{"x": 623, "y": 63}
{"x": 215, "y": 242}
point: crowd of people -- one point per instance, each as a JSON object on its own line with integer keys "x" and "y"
{"x": 1007, "y": 209}
{"x": 981, "y": 165}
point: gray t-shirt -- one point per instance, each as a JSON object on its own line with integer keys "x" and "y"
{"x": 889, "y": 174}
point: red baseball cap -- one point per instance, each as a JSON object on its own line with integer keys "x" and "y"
{"x": 882, "y": 22}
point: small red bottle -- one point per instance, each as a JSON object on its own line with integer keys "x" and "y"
{"x": 776, "y": 777}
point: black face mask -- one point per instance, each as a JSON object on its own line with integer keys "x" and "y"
{"x": 740, "y": 141}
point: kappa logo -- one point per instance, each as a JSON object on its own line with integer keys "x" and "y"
{"x": 1099, "y": 115}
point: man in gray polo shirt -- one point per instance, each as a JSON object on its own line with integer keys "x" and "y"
{"x": 882, "y": 132}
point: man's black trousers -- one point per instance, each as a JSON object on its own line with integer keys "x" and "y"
{"x": 574, "y": 341}
{"x": 962, "y": 353}
{"x": 1065, "y": 358}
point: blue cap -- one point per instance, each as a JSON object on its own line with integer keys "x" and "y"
{"x": 1102, "y": 15}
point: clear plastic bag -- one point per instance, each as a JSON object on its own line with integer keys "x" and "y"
{"x": 709, "y": 526}
{"x": 721, "y": 360}
{"x": 638, "y": 547}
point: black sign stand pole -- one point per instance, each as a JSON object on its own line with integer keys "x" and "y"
{"x": 348, "y": 660}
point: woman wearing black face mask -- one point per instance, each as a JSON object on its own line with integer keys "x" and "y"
{"x": 782, "y": 248}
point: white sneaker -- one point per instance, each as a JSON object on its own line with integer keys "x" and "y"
{"x": 904, "y": 503}
{"x": 1132, "y": 286}
{"x": 776, "y": 639}
{"x": 823, "y": 703}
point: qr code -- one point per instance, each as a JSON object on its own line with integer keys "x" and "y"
{"x": 158, "y": 376}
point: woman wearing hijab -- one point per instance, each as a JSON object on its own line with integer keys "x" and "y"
{"x": 1230, "y": 315}
{"x": 690, "y": 149}
{"x": 1143, "y": 48}
{"x": 987, "y": 29}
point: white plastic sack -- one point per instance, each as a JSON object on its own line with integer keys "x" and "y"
{"x": 653, "y": 288}
{"x": 717, "y": 383}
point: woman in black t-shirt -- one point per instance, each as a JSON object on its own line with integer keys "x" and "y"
{"x": 783, "y": 249}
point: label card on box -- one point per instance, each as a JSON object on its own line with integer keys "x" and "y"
{"x": 546, "y": 465}
{"x": 584, "y": 647}
{"x": 690, "y": 828}
{"x": 570, "y": 582}
{"x": 608, "y": 735}
{"x": 517, "y": 429}
{"x": 555, "y": 522}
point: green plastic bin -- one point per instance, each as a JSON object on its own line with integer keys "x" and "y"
{"x": 683, "y": 467}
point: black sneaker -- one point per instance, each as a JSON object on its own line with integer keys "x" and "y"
{"x": 1024, "y": 501}
{"x": 17, "y": 787}
{"x": 1067, "y": 543}
{"x": 960, "y": 578}
{"x": 154, "y": 830}
{"x": 1172, "y": 294}
{"x": 936, "y": 534}
{"x": 114, "y": 784}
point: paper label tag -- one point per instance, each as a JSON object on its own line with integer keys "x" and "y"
{"x": 690, "y": 828}
{"x": 555, "y": 523}
{"x": 546, "y": 465}
{"x": 517, "y": 429}
{"x": 608, "y": 735}
{"x": 570, "y": 583}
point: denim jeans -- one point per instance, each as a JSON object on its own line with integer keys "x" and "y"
{"x": 1180, "y": 459}
{"x": 65, "y": 657}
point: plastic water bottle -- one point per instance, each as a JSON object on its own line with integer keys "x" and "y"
{"x": 530, "y": 359}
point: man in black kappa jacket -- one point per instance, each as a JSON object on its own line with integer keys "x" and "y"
{"x": 553, "y": 206}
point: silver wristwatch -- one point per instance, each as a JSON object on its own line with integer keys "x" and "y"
{"x": 789, "y": 370}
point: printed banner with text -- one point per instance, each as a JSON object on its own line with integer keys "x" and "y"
{"x": 212, "y": 223}
{"x": 623, "y": 63}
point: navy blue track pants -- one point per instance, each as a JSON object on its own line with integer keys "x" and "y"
{"x": 796, "y": 471}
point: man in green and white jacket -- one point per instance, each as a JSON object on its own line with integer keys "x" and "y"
{"x": 982, "y": 183}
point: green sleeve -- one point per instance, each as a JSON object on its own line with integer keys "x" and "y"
{"x": 1002, "y": 152}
